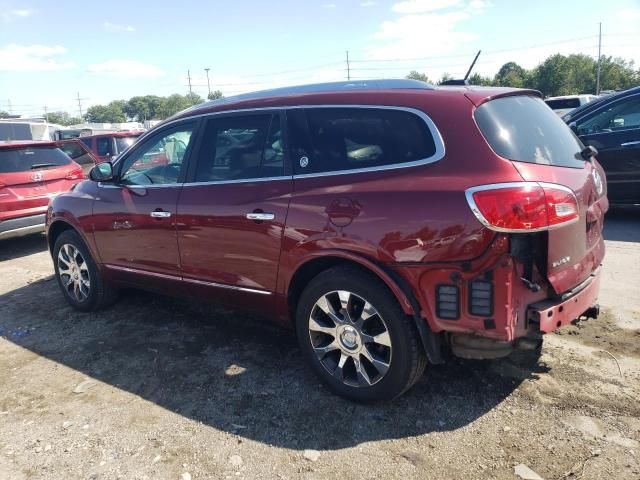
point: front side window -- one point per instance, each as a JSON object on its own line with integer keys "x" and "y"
{"x": 159, "y": 160}
{"x": 618, "y": 116}
{"x": 354, "y": 138}
{"x": 241, "y": 148}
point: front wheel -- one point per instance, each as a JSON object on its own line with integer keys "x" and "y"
{"x": 78, "y": 275}
{"x": 356, "y": 337}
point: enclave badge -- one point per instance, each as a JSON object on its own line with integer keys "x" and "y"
{"x": 36, "y": 177}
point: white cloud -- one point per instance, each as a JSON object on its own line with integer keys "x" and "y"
{"x": 328, "y": 5}
{"x": 32, "y": 58}
{"x": 368, "y": 3}
{"x": 422, "y": 6}
{"x": 422, "y": 32}
{"x": 115, "y": 27}
{"x": 125, "y": 69}
{"x": 11, "y": 14}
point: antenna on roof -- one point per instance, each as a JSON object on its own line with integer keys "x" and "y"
{"x": 464, "y": 80}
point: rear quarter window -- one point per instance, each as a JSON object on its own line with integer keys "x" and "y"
{"x": 523, "y": 129}
{"x": 26, "y": 159}
{"x": 342, "y": 139}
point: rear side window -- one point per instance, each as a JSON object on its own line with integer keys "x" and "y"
{"x": 26, "y": 159}
{"x": 103, "y": 146}
{"x": 77, "y": 153}
{"x": 241, "y": 148}
{"x": 122, "y": 143}
{"x": 522, "y": 128}
{"x": 342, "y": 139}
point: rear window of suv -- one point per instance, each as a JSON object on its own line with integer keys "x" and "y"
{"x": 563, "y": 103}
{"x": 355, "y": 138}
{"x": 524, "y": 129}
{"x": 24, "y": 159}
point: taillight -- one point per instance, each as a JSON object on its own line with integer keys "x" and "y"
{"x": 75, "y": 174}
{"x": 523, "y": 206}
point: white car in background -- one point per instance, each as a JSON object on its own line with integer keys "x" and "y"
{"x": 563, "y": 105}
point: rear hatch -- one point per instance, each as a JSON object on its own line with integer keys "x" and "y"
{"x": 521, "y": 128}
{"x": 31, "y": 175}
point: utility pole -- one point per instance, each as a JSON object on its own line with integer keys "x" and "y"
{"x": 348, "y": 67}
{"x": 189, "y": 77}
{"x": 208, "y": 84}
{"x": 599, "y": 58}
{"x": 46, "y": 115}
{"x": 79, "y": 105}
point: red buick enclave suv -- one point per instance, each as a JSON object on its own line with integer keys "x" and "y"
{"x": 31, "y": 173}
{"x": 390, "y": 222}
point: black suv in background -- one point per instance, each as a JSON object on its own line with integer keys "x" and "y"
{"x": 612, "y": 125}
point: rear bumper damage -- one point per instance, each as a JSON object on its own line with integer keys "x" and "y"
{"x": 549, "y": 315}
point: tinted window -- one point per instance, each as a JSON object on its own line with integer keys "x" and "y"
{"x": 353, "y": 138}
{"x": 122, "y": 143}
{"x": 159, "y": 159}
{"x": 240, "y": 148}
{"x": 87, "y": 142}
{"x": 522, "y": 128}
{"x": 564, "y": 103}
{"x": 103, "y": 146}
{"x": 617, "y": 116}
{"x": 15, "y": 131}
{"x": 25, "y": 159}
{"x": 77, "y": 153}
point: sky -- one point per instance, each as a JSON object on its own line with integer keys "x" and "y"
{"x": 51, "y": 52}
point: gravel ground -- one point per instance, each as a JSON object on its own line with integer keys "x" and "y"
{"x": 158, "y": 388}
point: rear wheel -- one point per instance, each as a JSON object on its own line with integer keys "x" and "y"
{"x": 356, "y": 337}
{"x": 78, "y": 275}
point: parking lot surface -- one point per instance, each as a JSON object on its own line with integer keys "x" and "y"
{"x": 157, "y": 388}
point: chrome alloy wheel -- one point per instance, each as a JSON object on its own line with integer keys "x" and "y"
{"x": 73, "y": 272}
{"x": 350, "y": 338}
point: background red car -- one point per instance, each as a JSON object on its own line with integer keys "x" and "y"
{"x": 79, "y": 153}
{"x": 31, "y": 173}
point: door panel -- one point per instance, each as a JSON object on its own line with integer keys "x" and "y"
{"x": 231, "y": 217}
{"x": 135, "y": 217}
{"x": 128, "y": 236}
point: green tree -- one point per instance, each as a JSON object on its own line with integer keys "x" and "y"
{"x": 4, "y": 114}
{"x": 618, "y": 74}
{"x": 477, "y": 79}
{"x": 444, "y": 78}
{"x": 143, "y": 108}
{"x": 63, "y": 118}
{"x": 415, "y": 75}
{"x": 215, "y": 95}
{"x": 111, "y": 113}
{"x": 511, "y": 75}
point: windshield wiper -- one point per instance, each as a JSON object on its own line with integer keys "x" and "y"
{"x": 43, "y": 165}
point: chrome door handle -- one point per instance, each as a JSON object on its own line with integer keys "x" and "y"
{"x": 260, "y": 216}
{"x": 160, "y": 214}
{"x": 629, "y": 144}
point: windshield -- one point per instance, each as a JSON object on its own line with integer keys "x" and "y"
{"x": 26, "y": 159}
{"x": 122, "y": 143}
{"x": 523, "y": 129}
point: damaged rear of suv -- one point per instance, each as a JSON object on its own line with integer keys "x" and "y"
{"x": 389, "y": 222}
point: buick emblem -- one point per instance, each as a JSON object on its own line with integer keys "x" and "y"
{"x": 36, "y": 177}
{"x": 597, "y": 180}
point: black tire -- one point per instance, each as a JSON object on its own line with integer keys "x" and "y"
{"x": 405, "y": 358}
{"x": 100, "y": 293}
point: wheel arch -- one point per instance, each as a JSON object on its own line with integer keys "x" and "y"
{"x": 314, "y": 264}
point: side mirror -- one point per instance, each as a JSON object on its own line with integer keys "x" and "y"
{"x": 589, "y": 153}
{"x": 102, "y": 172}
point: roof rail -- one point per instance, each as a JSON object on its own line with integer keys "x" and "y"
{"x": 386, "y": 84}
